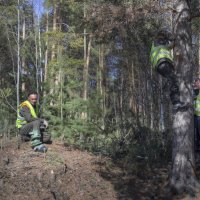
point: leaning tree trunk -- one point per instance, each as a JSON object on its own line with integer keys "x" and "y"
{"x": 183, "y": 178}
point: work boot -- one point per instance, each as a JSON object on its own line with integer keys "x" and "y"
{"x": 40, "y": 148}
{"x": 179, "y": 106}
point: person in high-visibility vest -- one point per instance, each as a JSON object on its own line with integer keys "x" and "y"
{"x": 196, "y": 97}
{"x": 162, "y": 61}
{"x": 29, "y": 124}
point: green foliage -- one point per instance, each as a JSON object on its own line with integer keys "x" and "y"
{"x": 98, "y": 123}
{"x": 6, "y": 92}
{"x": 77, "y": 43}
{"x": 145, "y": 147}
{"x": 121, "y": 92}
{"x": 6, "y": 109}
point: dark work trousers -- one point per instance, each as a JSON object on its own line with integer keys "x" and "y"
{"x": 166, "y": 69}
{"x": 27, "y": 128}
{"x": 36, "y": 125}
{"x": 197, "y": 131}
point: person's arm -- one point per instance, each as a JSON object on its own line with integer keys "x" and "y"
{"x": 25, "y": 112}
{"x": 170, "y": 43}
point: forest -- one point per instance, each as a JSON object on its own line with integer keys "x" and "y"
{"x": 89, "y": 61}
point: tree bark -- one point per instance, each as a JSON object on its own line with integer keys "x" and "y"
{"x": 85, "y": 74}
{"x": 183, "y": 178}
{"x": 23, "y": 87}
{"x": 18, "y": 53}
{"x": 54, "y": 29}
{"x": 198, "y": 71}
{"x": 46, "y": 50}
{"x": 162, "y": 119}
{"x": 36, "y": 56}
{"x": 100, "y": 86}
{"x": 132, "y": 101}
{"x": 53, "y": 48}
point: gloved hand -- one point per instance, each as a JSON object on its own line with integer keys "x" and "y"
{"x": 45, "y": 123}
{"x": 40, "y": 148}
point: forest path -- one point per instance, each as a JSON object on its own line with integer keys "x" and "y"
{"x": 66, "y": 173}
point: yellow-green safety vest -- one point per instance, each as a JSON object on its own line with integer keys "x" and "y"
{"x": 21, "y": 120}
{"x": 159, "y": 52}
{"x": 197, "y": 105}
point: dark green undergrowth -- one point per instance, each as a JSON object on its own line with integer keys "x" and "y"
{"x": 145, "y": 148}
{"x": 141, "y": 145}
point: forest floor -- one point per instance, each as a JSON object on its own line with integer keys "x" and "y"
{"x": 67, "y": 173}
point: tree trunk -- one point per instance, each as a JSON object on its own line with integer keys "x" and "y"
{"x": 36, "y": 56}
{"x": 18, "y": 53}
{"x": 183, "y": 176}
{"x": 54, "y": 29}
{"x": 100, "y": 86}
{"x": 46, "y": 50}
{"x": 53, "y": 54}
{"x": 85, "y": 75}
{"x": 101, "y": 67}
{"x": 59, "y": 49}
{"x": 162, "y": 120}
{"x": 152, "y": 113}
{"x": 132, "y": 100}
{"x": 198, "y": 71}
{"x": 23, "y": 87}
{"x": 40, "y": 56}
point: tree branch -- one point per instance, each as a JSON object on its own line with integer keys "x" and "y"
{"x": 194, "y": 16}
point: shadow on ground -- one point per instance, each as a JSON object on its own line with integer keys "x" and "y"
{"x": 136, "y": 183}
{"x": 66, "y": 173}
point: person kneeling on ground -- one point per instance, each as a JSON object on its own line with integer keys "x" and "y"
{"x": 29, "y": 124}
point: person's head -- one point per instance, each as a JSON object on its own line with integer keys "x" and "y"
{"x": 33, "y": 97}
{"x": 164, "y": 33}
{"x": 196, "y": 84}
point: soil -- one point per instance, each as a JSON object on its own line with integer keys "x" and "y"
{"x": 67, "y": 173}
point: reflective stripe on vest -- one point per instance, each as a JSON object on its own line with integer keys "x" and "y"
{"x": 197, "y": 105}
{"x": 158, "y": 53}
{"x": 21, "y": 120}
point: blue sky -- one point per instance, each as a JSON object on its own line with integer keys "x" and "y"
{"x": 38, "y": 5}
